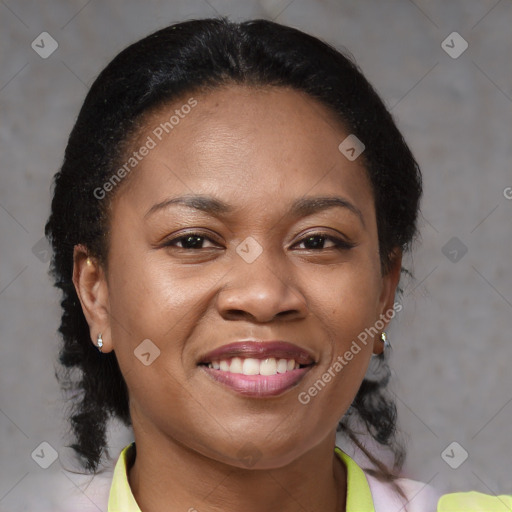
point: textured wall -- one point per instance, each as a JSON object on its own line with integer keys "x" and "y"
{"x": 452, "y": 346}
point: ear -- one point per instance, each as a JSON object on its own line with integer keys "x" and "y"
{"x": 387, "y": 298}
{"x": 92, "y": 290}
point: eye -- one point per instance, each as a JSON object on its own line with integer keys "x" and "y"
{"x": 190, "y": 241}
{"x": 316, "y": 241}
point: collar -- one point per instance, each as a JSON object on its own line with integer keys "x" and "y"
{"x": 359, "y": 496}
{"x": 121, "y": 498}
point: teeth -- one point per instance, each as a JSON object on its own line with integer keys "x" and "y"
{"x": 252, "y": 366}
{"x": 282, "y": 366}
{"x": 268, "y": 366}
{"x": 236, "y": 365}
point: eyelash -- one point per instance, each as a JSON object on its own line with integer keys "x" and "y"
{"x": 339, "y": 244}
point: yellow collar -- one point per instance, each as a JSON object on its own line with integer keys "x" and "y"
{"x": 359, "y": 497}
{"x": 121, "y": 498}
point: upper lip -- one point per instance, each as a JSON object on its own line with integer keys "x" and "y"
{"x": 259, "y": 350}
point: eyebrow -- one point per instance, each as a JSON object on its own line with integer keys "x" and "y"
{"x": 300, "y": 208}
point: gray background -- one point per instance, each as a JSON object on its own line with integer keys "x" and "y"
{"x": 452, "y": 342}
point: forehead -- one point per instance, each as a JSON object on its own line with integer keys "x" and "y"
{"x": 247, "y": 144}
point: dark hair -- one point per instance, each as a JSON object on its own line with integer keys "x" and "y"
{"x": 199, "y": 55}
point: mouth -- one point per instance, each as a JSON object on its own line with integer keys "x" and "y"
{"x": 258, "y": 368}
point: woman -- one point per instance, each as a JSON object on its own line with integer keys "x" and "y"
{"x": 228, "y": 228}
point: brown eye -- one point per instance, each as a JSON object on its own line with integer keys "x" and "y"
{"x": 317, "y": 241}
{"x": 189, "y": 241}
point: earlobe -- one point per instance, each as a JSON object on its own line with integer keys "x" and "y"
{"x": 381, "y": 343}
{"x": 387, "y": 308}
{"x": 92, "y": 290}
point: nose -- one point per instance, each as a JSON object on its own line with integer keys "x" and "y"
{"x": 261, "y": 291}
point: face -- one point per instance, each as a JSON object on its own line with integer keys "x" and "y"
{"x": 244, "y": 242}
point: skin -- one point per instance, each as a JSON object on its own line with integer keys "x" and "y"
{"x": 257, "y": 149}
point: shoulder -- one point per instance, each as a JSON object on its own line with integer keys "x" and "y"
{"x": 419, "y": 496}
{"x": 474, "y": 502}
{"x": 88, "y": 493}
{"x": 65, "y": 491}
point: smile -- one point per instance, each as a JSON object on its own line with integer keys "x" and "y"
{"x": 252, "y": 366}
{"x": 257, "y": 369}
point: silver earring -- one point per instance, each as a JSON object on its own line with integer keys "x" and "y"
{"x": 99, "y": 342}
{"x": 384, "y": 339}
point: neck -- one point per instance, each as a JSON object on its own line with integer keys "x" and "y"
{"x": 169, "y": 476}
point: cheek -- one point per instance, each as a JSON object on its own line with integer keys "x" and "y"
{"x": 346, "y": 308}
{"x": 155, "y": 308}
{"x": 328, "y": 394}
{"x": 145, "y": 292}
{"x": 152, "y": 316}
{"x": 348, "y": 299}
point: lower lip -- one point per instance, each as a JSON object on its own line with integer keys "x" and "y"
{"x": 258, "y": 385}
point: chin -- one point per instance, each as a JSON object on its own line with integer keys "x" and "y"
{"x": 258, "y": 453}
